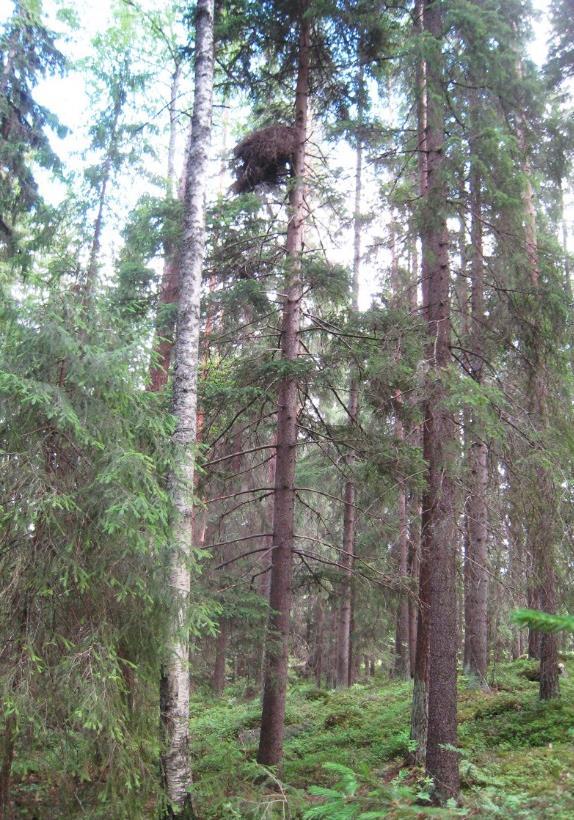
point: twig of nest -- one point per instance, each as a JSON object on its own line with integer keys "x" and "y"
{"x": 264, "y": 157}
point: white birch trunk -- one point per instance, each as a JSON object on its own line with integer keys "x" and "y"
{"x": 176, "y": 683}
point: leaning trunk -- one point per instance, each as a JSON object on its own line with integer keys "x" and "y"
{"x": 175, "y": 684}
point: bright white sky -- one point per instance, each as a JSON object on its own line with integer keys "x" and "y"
{"x": 67, "y": 97}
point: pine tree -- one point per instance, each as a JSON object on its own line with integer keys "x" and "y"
{"x": 439, "y": 546}
{"x": 275, "y": 683}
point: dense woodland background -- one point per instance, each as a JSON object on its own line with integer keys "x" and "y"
{"x": 286, "y": 409}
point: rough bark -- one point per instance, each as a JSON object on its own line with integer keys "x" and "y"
{"x": 218, "y": 680}
{"x": 401, "y": 667}
{"x": 277, "y": 650}
{"x": 476, "y": 556}
{"x": 345, "y": 606}
{"x": 175, "y": 684}
{"x": 169, "y": 285}
{"x": 542, "y": 518}
{"x": 533, "y": 602}
{"x": 346, "y": 560}
{"x": 8, "y": 743}
{"x": 316, "y": 661}
{"x": 440, "y": 444}
{"x": 419, "y": 712}
{"x": 414, "y": 570}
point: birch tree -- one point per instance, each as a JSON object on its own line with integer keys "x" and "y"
{"x": 175, "y": 683}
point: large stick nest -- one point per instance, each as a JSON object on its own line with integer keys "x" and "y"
{"x": 264, "y": 157}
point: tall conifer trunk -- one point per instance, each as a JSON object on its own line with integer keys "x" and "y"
{"x": 419, "y": 712}
{"x": 414, "y": 509}
{"x": 401, "y": 667}
{"x": 440, "y": 442}
{"x": 277, "y": 650}
{"x": 218, "y": 679}
{"x": 175, "y": 683}
{"x": 402, "y": 650}
{"x": 346, "y": 592}
{"x": 541, "y": 524}
{"x": 476, "y": 557}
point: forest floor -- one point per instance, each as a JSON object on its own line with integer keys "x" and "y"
{"x": 345, "y": 757}
{"x": 345, "y": 753}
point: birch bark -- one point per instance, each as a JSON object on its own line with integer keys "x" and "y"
{"x": 175, "y": 684}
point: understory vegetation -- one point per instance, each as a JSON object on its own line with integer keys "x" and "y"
{"x": 516, "y": 752}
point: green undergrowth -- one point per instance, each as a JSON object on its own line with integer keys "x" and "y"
{"x": 345, "y": 753}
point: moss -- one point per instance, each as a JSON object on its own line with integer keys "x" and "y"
{"x": 517, "y": 754}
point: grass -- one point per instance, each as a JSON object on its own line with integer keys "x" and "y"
{"x": 517, "y": 754}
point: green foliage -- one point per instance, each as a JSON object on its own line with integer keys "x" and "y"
{"x": 543, "y": 621}
{"x": 329, "y": 283}
{"x": 515, "y": 753}
{"x": 85, "y": 519}
{"x": 344, "y": 801}
{"x": 28, "y": 53}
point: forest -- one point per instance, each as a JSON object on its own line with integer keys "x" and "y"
{"x": 286, "y": 409}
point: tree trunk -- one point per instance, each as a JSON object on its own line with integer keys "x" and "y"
{"x": 440, "y": 443}
{"x": 419, "y": 712}
{"x": 534, "y": 636}
{"x": 175, "y": 683}
{"x": 174, "y": 88}
{"x": 8, "y": 742}
{"x": 277, "y": 650}
{"x": 543, "y": 514}
{"x": 414, "y": 570}
{"x": 476, "y": 557}
{"x": 516, "y": 568}
{"x": 92, "y": 269}
{"x": 402, "y": 656}
{"x": 345, "y": 608}
{"x": 318, "y": 630}
{"x": 346, "y": 592}
{"x": 218, "y": 680}
{"x": 401, "y": 666}
{"x": 169, "y": 286}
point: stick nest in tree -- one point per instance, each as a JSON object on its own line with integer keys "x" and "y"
{"x": 264, "y": 157}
